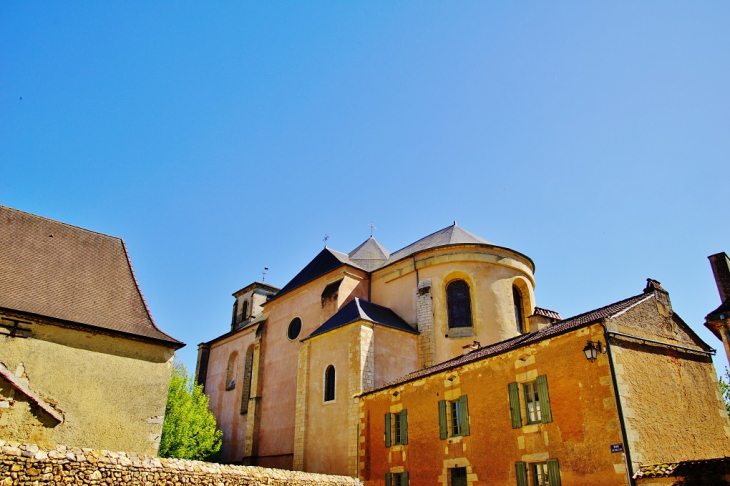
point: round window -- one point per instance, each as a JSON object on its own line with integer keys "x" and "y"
{"x": 295, "y": 327}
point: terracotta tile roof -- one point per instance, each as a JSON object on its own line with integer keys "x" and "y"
{"x": 56, "y": 270}
{"x": 539, "y": 311}
{"x": 669, "y": 469}
{"x": 523, "y": 339}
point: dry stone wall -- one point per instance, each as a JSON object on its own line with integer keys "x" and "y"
{"x": 29, "y": 464}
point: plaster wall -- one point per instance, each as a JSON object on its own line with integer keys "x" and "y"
{"x": 490, "y": 274}
{"x": 672, "y": 405}
{"x": 278, "y": 393}
{"x": 327, "y": 421}
{"x": 396, "y": 354}
{"x": 226, "y": 404}
{"x": 111, "y": 390}
{"x": 585, "y": 420}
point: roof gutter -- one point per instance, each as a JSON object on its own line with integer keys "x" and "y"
{"x": 624, "y": 436}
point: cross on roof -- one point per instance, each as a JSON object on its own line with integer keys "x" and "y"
{"x": 372, "y": 227}
{"x": 326, "y": 237}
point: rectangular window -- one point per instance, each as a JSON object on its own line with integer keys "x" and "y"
{"x": 532, "y": 403}
{"x": 396, "y": 428}
{"x": 458, "y": 476}
{"x": 455, "y": 408}
{"x": 539, "y": 474}
{"x": 454, "y": 417}
{"x": 396, "y": 479}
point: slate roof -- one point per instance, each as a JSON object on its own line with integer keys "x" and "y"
{"x": 325, "y": 261}
{"x": 370, "y": 255}
{"x": 451, "y": 235}
{"x": 557, "y": 328}
{"x": 362, "y": 310}
{"x": 56, "y": 270}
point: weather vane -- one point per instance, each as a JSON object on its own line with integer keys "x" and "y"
{"x": 372, "y": 227}
{"x": 326, "y": 237}
{"x": 263, "y": 279}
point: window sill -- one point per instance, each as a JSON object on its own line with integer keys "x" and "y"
{"x": 455, "y": 440}
{"x": 461, "y": 332}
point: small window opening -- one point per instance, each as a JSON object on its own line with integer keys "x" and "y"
{"x": 244, "y": 312}
{"x": 329, "y": 384}
{"x": 517, "y": 297}
{"x": 231, "y": 371}
{"x": 295, "y": 327}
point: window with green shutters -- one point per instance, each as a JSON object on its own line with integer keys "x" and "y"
{"x": 454, "y": 417}
{"x": 538, "y": 474}
{"x": 536, "y": 400}
{"x": 396, "y": 428}
{"x": 396, "y": 479}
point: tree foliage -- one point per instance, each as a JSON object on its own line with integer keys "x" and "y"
{"x": 189, "y": 430}
{"x": 724, "y": 383}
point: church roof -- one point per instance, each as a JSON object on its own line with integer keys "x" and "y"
{"x": 451, "y": 235}
{"x": 56, "y": 270}
{"x": 362, "y": 310}
{"x": 325, "y": 261}
{"x": 370, "y": 255}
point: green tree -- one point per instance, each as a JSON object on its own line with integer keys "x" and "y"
{"x": 189, "y": 430}
{"x": 724, "y": 384}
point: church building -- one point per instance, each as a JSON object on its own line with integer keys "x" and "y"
{"x": 433, "y": 364}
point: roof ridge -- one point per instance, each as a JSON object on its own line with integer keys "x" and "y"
{"x": 420, "y": 239}
{"x": 600, "y": 308}
{"x": 59, "y": 222}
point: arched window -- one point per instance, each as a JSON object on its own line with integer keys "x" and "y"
{"x": 329, "y": 384}
{"x": 235, "y": 311}
{"x": 244, "y": 312}
{"x": 517, "y": 297}
{"x": 231, "y": 371}
{"x": 458, "y": 300}
{"x": 247, "y": 379}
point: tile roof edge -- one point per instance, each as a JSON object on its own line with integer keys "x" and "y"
{"x": 144, "y": 302}
{"x": 234, "y": 332}
{"x": 60, "y": 222}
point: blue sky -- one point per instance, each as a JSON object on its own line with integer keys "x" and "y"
{"x": 221, "y": 138}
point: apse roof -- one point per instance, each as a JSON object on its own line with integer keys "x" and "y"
{"x": 362, "y": 310}
{"x": 451, "y": 235}
{"x": 56, "y": 270}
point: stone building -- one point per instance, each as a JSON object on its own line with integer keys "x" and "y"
{"x": 82, "y": 363}
{"x": 360, "y": 343}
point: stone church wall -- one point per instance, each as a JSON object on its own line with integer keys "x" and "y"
{"x": 28, "y": 464}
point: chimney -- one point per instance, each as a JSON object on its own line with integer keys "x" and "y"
{"x": 721, "y": 269}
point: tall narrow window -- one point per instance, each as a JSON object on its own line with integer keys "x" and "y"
{"x": 231, "y": 371}
{"x": 244, "y": 312}
{"x": 517, "y": 297}
{"x": 235, "y": 311}
{"x": 247, "y": 379}
{"x": 329, "y": 384}
{"x": 458, "y": 301}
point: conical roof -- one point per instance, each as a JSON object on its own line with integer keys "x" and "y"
{"x": 370, "y": 255}
{"x": 451, "y": 235}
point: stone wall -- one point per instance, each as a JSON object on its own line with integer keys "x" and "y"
{"x": 25, "y": 464}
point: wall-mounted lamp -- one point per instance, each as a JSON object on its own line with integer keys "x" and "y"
{"x": 592, "y": 349}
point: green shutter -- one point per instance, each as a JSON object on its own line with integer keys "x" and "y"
{"x": 553, "y": 472}
{"x": 404, "y": 478}
{"x": 443, "y": 429}
{"x": 387, "y": 430}
{"x": 464, "y": 426}
{"x": 542, "y": 390}
{"x": 514, "y": 404}
{"x": 404, "y": 427}
{"x": 521, "y": 474}
{"x": 388, "y": 479}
